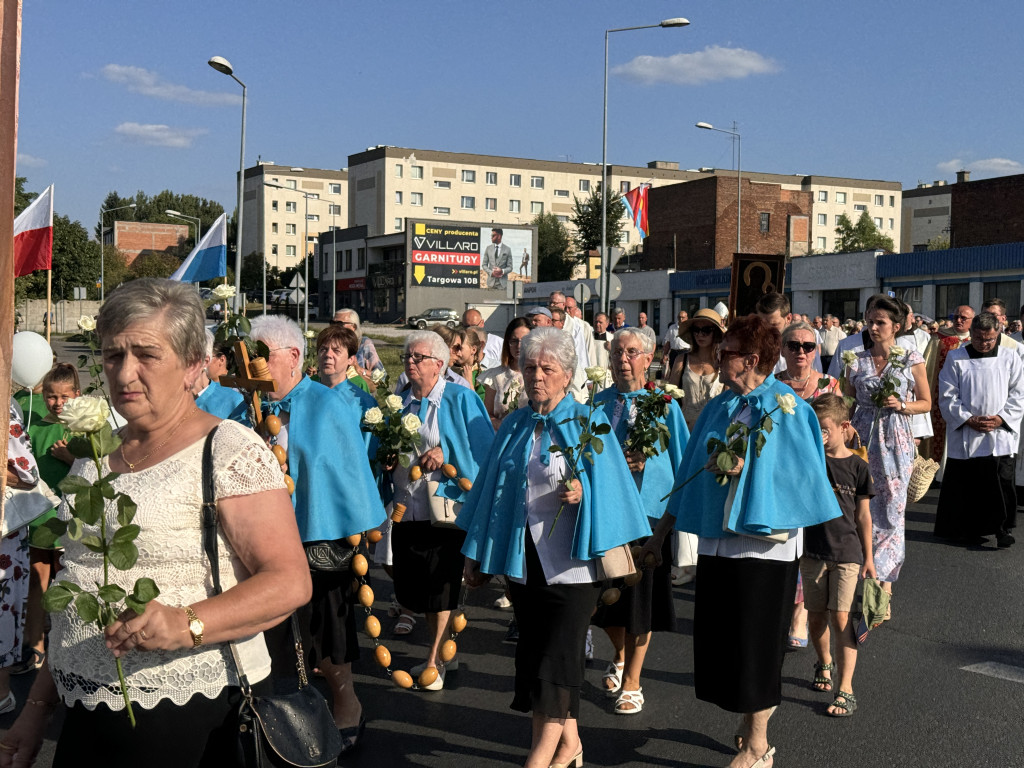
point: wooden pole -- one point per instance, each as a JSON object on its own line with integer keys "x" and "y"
{"x": 49, "y": 302}
{"x": 10, "y": 65}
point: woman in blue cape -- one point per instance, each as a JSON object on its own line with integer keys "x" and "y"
{"x": 335, "y": 496}
{"x": 524, "y": 521}
{"x": 646, "y": 606}
{"x": 750, "y": 531}
{"x": 336, "y": 347}
{"x": 456, "y": 432}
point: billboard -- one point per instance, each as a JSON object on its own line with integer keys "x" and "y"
{"x": 445, "y": 255}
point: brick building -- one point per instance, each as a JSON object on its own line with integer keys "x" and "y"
{"x": 693, "y": 225}
{"x": 987, "y": 211}
{"x": 133, "y": 238}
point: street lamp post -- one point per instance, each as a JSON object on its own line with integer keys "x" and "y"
{"x": 739, "y": 188}
{"x": 103, "y": 276}
{"x": 193, "y": 219}
{"x": 605, "y": 261}
{"x": 223, "y": 66}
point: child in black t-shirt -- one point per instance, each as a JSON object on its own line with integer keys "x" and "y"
{"x": 836, "y": 555}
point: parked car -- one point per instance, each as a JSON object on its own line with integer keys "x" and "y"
{"x": 433, "y": 316}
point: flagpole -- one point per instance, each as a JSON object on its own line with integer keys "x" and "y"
{"x": 49, "y": 304}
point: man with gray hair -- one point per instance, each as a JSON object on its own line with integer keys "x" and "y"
{"x": 472, "y": 318}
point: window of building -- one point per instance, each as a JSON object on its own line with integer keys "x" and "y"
{"x": 840, "y": 198}
{"x": 416, "y": 172}
{"x": 623, "y": 187}
{"x": 468, "y": 203}
{"x": 839, "y": 217}
{"x": 515, "y": 180}
{"x": 469, "y": 177}
{"x": 442, "y": 184}
{"x": 561, "y": 193}
{"x": 273, "y": 250}
{"x": 563, "y": 219}
{"x": 398, "y": 198}
{"x": 536, "y": 208}
{"x": 289, "y": 229}
{"x": 273, "y": 205}
{"x": 291, "y": 207}
{"x": 879, "y": 200}
{"x": 584, "y": 185}
{"x": 536, "y": 182}
{"x": 859, "y": 207}
{"x": 334, "y": 210}
{"x": 878, "y": 221}
{"x": 398, "y": 224}
{"x": 514, "y": 206}
{"x": 1009, "y": 292}
{"x": 625, "y": 236}
{"x": 348, "y": 260}
{"x": 415, "y": 198}
{"x": 843, "y": 303}
{"x": 290, "y": 183}
{"x": 289, "y": 250}
{"x": 312, "y": 195}
{"x": 273, "y": 228}
{"x": 312, "y": 217}
{"x": 360, "y": 258}
{"x": 823, "y": 219}
{"x": 949, "y": 297}
{"x": 822, "y": 195}
{"x": 491, "y": 178}
{"x": 335, "y": 189}
{"x": 490, "y": 203}
{"x": 766, "y": 219}
{"x": 892, "y": 223}
{"x": 892, "y": 201}
{"x": 441, "y": 210}
{"x": 398, "y": 170}
{"x": 822, "y": 244}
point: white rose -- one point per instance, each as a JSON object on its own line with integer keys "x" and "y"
{"x": 595, "y": 373}
{"x": 224, "y": 291}
{"x": 897, "y": 351}
{"x": 673, "y": 391}
{"x": 373, "y": 416}
{"x": 85, "y": 414}
{"x": 411, "y": 423}
{"x": 787, "y": 403}
{"x": 309, "y": 334}
{"x": 378, "y": 375}
{"x": 394, "y": 402}
{"x": 849, "y": 357}
{"x": 87, "y": 323}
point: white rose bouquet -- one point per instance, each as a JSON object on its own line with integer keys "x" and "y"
{"x": 397, "y": 433}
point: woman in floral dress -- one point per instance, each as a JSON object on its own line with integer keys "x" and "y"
{"x": 881, "y": 378}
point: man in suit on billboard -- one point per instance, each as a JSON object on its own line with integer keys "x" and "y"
{"x": 497, "y": 261}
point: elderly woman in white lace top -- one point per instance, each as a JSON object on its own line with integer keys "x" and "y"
{"x": 176, "y": 660}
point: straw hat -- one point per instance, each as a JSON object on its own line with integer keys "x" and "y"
{"x": 708, "y": 315}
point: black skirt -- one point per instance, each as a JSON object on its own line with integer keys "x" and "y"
{"x": 647, "y": 606}
{"x": 427, "y": 561}
{"x": 550, "y": 654}
{"x": 741, "y": 618}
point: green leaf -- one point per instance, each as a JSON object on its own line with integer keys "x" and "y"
{"x": 87, "y": 607}
{"x": 126, "y": 534}
{"x": 48, "y": 534}
{"x": 244, "y": 326}
{"x": 106, "y": 489}
{"x": 135, "y": 605}
{"x": 404, "y": 460}
{"x": 602, "y": 429}
{"x": 93, "y": 543}
{"x": 73, "y": 484}
{"x": 79, "y": 447}
{"x": 722, "y": 480}
{"x": 56, "y": 599}
{"x": 768, "y": 424}
{"x": 733, "y": 428}
{"x": 125, "y": 509}
{"x": 70, "y": 586}
{"x": 597, "y": 444}
{"x": 123, "y": 555}
{"x": 262, "y": 350}
{"x": 145, "y": 590}
{"x": 108, "y": 614}
{"x": 75, "y": 529}
{"x": 112, "y": 593}
{"x": 759, "y": 443}
{"x": 89, "y": 505}
{"x": 725, "y": 461}
{"x": 83, "y": 360}
{"x": 106, "y": 441}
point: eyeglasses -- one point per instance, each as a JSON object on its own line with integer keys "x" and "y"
{"x": 702, "y": 330}
{"x": 417, "y": 358}
{"x": 629, "y": 354}
{"x": 963, "y": 317}
{"x": 724, "y": 353}
{"x": 343, "y": 323}
{"x": 806, "y": 346}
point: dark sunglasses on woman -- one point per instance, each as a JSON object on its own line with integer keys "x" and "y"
{"x": 796, "y": 346}
{"x": 702, "y": 330}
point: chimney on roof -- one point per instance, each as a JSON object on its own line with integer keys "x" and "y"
{"x": 962, "y": 176}
{"x": 666, "y": 165}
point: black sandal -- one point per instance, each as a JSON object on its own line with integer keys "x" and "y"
{"x": 845, "y": 702}
{"x": 820, "y": 679}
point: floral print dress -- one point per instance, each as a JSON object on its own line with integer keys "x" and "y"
{"x": 890, "y": 444}
{"x": 14, "y": 566}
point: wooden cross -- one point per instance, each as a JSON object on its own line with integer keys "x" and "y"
{"x": 249, "y": 380}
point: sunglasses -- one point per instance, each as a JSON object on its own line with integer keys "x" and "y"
{"x": 702, "y": 330}
{"x": 724, "y": 353}
{"x": 806, "y": 346}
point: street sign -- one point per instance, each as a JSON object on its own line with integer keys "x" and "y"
{"x": 514, "y": 290}
{"x": 614, "y": 287}
{"x": 581, "y": 293}
{"x": 297, "y": 281}
{"x": 79, "y": 293}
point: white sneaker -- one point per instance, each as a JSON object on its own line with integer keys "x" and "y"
{"x": 503, "y": 604}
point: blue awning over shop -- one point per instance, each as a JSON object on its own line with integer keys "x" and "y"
{"x": 979, "y": 258}
{"x": 705, "y": 280}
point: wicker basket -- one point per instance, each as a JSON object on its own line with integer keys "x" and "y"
{"x": 921, "y": 478}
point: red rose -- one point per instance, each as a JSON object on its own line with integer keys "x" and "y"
{"x": 22, "y": 462}
{"x": 668, "y": 398}
{"x": 16, "y": 430}
{"x": 5, "y": 561}
{"x": 649, "y": 386}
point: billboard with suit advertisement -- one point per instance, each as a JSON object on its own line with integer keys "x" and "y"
{"x": 444, "y": 255}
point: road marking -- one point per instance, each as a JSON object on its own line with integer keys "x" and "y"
{"x": 994, "y": 669}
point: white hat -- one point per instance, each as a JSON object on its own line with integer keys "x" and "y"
{"x": 722, "y": 310}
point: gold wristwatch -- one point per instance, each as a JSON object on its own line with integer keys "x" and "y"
{"x": 195, "y": 626}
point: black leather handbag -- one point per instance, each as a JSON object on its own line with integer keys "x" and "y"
{"x": 329, "y": 556}
{"x": 286, "y": 730}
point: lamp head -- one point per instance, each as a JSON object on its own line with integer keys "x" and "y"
{"x": 221, "y": 65}
{"x": 705, "y": 126}
{"x": 169, "y": 212}
{"x": 677, "y": 22}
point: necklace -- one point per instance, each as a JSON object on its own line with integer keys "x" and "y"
{"x": 131, "y": 467}
{"x": 799, "y": 381}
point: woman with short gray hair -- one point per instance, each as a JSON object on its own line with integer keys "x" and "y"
{"x": 367, "y": 358}
{"x": 525, "y": 521}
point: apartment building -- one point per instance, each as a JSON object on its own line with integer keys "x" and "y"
{"x": 302, "y": 203}
{"x": 926, "y": 215}
{"x": 835, "y": 196}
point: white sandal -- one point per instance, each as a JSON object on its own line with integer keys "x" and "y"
{"x": 613, "y": 674}
{"x": 633, "y": 698}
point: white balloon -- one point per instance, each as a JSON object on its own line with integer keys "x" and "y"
{"x": 31, "y": 359}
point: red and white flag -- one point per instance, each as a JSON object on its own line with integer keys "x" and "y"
{"x": 33, "y": 236}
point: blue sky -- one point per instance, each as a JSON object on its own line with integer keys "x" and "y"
{"x": 118, "y": 95}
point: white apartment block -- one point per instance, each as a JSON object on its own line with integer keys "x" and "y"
{"x": 276, "y": 220}
{"x": 832, "y": 197}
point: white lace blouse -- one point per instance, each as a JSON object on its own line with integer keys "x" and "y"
{"x": 169, "y": 497}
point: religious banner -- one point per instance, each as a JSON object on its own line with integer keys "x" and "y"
{"x": 753, "y": 276}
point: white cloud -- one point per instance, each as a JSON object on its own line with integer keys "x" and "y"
{"x": 711, "y": 64}
{"x": 139, "y": 80}
{"x": 997, "y": 166}
{"x": 29, "y": 161}
{"x": 159, "y": 135}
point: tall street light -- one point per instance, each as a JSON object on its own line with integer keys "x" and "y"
{"x": 739, "y": 188}
{"x": 224, "y": 66}
{"x": 605, "y": 261}
{"x": 193, "y": 219}
{"x": 103, "y": 276}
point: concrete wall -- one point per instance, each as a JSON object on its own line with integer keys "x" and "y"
{"x": 809, "y": 277}
{"x": 65, "y": 315}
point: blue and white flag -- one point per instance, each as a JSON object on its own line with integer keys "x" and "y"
{"x": 209, "y": 259}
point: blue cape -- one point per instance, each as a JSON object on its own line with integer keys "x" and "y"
{"x": 466, "y": 436}
{"x": 494, "y": 514}
{"x": 359, "y": 401}
{"x": 659, "y": 475}
{"x": 335, "y": 494}
{"x": 786, "y": 487}
{"x": 224, "y": 403}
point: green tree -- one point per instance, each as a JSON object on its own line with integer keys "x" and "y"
{"x": 21, "y": 197}
{"x": 153, "y": 264}
{"x": 939, "y": 243}
{"x": 553, "y": 259}
{"x": 862, "y": 236}
{"x": 586, "y": 217}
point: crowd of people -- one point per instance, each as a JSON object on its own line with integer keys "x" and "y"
{"x": 548, "y": 457}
